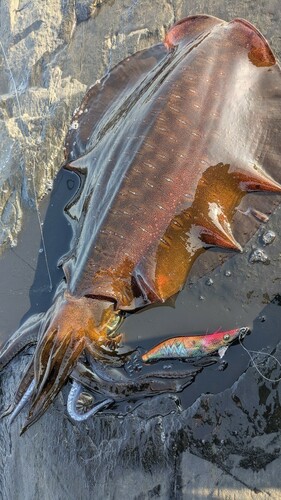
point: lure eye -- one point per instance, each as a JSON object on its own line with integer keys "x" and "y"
{"x": 226, "y": 337}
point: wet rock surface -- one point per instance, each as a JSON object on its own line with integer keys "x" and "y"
{"x": 220, "y": 445}
{"x": 225, "y": 446}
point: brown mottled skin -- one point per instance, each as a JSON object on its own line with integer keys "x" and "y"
{"x": 167, "y": 145}
{"x": 192, "y": 118}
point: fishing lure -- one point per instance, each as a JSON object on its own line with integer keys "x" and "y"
{"x": 195, "y": 346}
{"x": 167, "y": 145}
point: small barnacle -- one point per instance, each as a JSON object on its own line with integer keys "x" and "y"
{"x": 74, "y": 125}
{"x": 258, "y": 255}
{"x": 268, "y": 237}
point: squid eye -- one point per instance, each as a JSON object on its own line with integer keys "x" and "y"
{"x": 113, "y": 325}
{"x": 226, "y": 337}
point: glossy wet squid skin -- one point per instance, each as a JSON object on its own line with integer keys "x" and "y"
{"x": 167, "y": 145}
{"x": 169, "y": 173}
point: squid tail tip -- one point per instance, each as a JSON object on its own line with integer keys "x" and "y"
{"x": 28, "y": 423}
{"x": 6, "y": 411}
{"x": 23, "y": 429}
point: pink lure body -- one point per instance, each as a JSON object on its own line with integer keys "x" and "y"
{"x": 195, "y": 346}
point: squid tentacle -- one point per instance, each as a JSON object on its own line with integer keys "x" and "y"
{"x": 73, "y": 397}
{"x": 119, "y": 389}
{"x": 59, "y": 371}
{"x": 24, "y": 400}
{"x": 24, "y": 385}
{"x": 24, "y": 336}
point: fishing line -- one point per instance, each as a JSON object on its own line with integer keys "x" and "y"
{"x": 40, "y": 227}
{"x": 250, "y": 352}
{"x": 33, "y": 169}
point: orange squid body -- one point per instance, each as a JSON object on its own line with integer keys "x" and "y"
{"x": 166, "y": 146}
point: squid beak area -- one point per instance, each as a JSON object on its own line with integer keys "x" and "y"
{"x": 54, "y": 360}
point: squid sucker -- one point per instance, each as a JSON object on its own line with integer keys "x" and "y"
{"x": 166, "y": 145}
